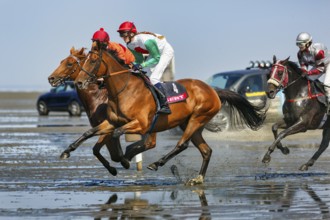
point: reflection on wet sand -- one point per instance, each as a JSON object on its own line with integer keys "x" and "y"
{"x": 135, "y": 207}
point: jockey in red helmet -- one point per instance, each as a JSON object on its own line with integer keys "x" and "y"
{"x": 122, "y": 53}
{"x": 159, "y": 55}
{"x": 316, "y": 56}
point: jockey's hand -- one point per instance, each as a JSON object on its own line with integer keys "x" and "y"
{"x": 304, "y": 72}
{"x": 137, "y": 67}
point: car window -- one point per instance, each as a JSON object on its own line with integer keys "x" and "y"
{"x": 223, "y": 81}
{"x": 70, "y": 87}
{"x": 251, "y": 84}
{"x": 60, "y": 88}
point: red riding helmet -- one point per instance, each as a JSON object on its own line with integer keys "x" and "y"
{"x": 101, "y": 36}
{"x": 127, "y": 26}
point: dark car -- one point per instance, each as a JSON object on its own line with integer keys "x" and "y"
{"x": 250, "y": 83}
{"x": 61, "y": 98}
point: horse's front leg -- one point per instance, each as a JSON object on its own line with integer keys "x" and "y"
{"x": 299, "y": 126}
{"x": 104, "y": 128}
{"x": 323, "y": 146}
{"x": 96, "y": 151}
{"x": 132, "y": 127}
{"x": 148, "y": 142}
{"x": 280, "y": 124}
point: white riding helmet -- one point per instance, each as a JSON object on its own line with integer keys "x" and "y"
{"x": 304, "y": 40}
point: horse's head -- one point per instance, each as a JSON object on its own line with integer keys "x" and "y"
{"x": 279, "y": 77}
{"x": 99, "y": 64}
{"x": 68, "y": 68}
{"x": 94, "y": 67}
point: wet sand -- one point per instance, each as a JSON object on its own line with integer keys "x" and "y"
{"x": 36, "y": 184}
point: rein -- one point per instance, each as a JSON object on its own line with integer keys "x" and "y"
{"x": 93, "y": 76}
{"x": 310, "y": 94}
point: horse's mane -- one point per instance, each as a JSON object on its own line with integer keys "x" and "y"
{"x": 294, "y": 66}
{"x": 115, "y": 56}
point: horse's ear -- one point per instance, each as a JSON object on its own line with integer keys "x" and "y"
{"x": 72, "y": 50}
{"x": 286, "y": 60}
{"x": 81, "y": 51}
{"x": 274, "y": 59}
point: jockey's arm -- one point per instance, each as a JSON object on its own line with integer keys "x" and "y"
{"x": 319, "y": 64}
{"x": 154, "y": 53}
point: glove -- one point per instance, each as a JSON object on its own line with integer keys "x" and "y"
{"x": 137, "y": 67}
{"x": 304, "y": 72}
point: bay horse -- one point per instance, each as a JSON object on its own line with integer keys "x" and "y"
{"x": 131, "y": 109}
{"x": 302, "y": 110}
{"x": 95, "y": 102}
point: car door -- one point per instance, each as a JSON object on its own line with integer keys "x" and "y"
{"x": 60, "y": 97}
{"x": 253, "y": 88}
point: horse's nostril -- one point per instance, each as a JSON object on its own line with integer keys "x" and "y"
{"x": 79, "y": 84}
{"x": 51, "y": 79}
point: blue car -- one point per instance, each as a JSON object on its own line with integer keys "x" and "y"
{"x": 61, "y": 98}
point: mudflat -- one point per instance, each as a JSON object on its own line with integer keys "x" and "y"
{"x": 36, "y": 184}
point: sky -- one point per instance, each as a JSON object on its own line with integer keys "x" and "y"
{"x": 208, "y": 36}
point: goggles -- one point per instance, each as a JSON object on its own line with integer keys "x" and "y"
{"x": 123, "y": 34}
{"x": 301, "y": 44}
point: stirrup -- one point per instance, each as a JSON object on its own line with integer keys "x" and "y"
{"x": 164, "y": 110}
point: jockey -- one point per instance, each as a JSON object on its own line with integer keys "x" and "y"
{"x": 121, "y": 52}
{"x": 314, "y": 55}
{"x": 159, "y": 55}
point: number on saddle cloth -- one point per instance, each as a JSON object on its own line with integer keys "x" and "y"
{"x": 175, "y": 92}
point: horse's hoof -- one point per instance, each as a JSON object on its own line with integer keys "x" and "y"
{"x": 285, "y": 151}
{"x": 303, "y": 168}
{"x": 266, "y": 159}
{"x": 125, "y": 163}
{"x": 153, "y": 167}
{"x": 196, "y": 181}
{"x": 113, "y": 171}
{"x": 65, "y": 155}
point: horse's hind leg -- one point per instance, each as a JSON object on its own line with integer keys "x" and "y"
{"x": 275, "y": 127}
{"x": 96, "y": 151}
{"x": 206, "y": 153}
{"x": 323, "y": 146}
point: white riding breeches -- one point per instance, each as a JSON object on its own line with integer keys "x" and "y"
{"x": 156, "y": 72}
{"x": 325, "y": 78}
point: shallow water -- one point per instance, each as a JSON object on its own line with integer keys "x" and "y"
{"x": 36, "y": 184}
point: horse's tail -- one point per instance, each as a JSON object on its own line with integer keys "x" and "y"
{"x": 250, "y": 115}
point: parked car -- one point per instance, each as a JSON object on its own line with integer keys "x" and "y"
{"x": 61, "y": 98}
{"x": 250, "y": 83}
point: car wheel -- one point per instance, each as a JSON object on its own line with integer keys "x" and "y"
{"x": 220, "y": 122}
{"x": 42, "y": 108}
{"x": 74, "y": 108}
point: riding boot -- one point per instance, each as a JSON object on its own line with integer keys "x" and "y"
{"x": 164, "y": 108}
{"x": 328, "y": 107}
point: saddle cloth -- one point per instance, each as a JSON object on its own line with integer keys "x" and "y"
{"x": 175, "y": 92}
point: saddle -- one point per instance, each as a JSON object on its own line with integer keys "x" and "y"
{"x": 174, "y": 91}
{"x": 318, "y": 90}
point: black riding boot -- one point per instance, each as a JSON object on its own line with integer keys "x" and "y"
{"x": 164, "y": 108}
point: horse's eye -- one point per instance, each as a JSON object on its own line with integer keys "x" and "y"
{"x": 280, "y": 74}
{"x": 69, "y": 65}
{"x": 93, "y": 61}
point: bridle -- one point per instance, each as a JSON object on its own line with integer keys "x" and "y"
{"x": 286, "y": 72}
{"x": 92, "y": 74}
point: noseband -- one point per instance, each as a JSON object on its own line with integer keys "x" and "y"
{"x": 286, "y": 72}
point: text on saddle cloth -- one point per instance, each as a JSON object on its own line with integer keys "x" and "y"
{"x": 175, "y": 92}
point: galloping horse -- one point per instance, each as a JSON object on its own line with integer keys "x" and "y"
{"x": 131, "y": 109}
{"x": 302, "y": 110}
{"x": 95, "y": 102}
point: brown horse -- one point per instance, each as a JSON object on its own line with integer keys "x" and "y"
{"x": 131, "y": 109}
{"x": 95, "y": 102}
